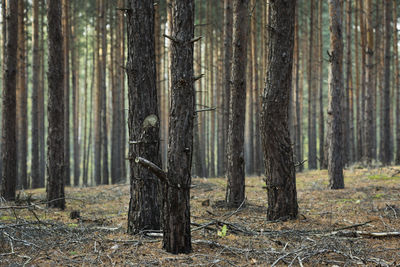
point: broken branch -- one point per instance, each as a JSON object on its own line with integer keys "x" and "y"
{"x": 157, "y": 171}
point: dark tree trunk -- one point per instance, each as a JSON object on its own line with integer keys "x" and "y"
{"x": 3, "y": 62}
{"x": 176, "y": 210}
{"x": 41, "y": 93}
{"x": 9, "y": 141}
{"x": 397, "y": 88}
{"x": 22, "y": 97}
{"x": 335, "y": 139}
{"x": 387, "y": 148}
{"x": 35, "y": 174}
{"x": 144, "y": 123}
{"x": 322, "y": 160}
{"x": 227, "y": 69}
{"x": 312, "y": 135}
{"x": 55, "y": 140}
{"x": 235, "y": 191}
{"x": 278, "y": 153}
{"x": 369, "y": 91}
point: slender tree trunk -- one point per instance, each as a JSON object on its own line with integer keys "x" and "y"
{"x": 9, "y": 141}
{"x": 144, "y": 123}
{"x": 235, "y": 191}
{"x": 227, "y": 68}
{"x": 35, "y": 105}
{"x": 335, "y": 161}
{"x": 312, "y": 140}
{"x": 358, "y": 155}
{"x": 65, "y": 25}
{"x": 363, "y": 77}
{"x": 278, "y": 154}
{"x": 248, "y": 143}
{"x": 97, "y": 103}
{"x": 4, "y": 41}
{"x": 55, "y": 140}
{"x": 41, "y": 93}
{"x": 85, "y": 110}
{"x": 75, "y": 93}
{"x": 369, "y": 83}
{"x": 396, "y": 53}
{"x": 321, "y": 125}
{"x": 177, "y": 236}
{"x": 387, "y": 149}
{"x": 122, "y": 95}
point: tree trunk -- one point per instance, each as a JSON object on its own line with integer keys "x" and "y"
{"x": 278, "y": 153}
{"x": 321, "y": 125}
{"x": 22, "y": 134}
{"x": 144, "y": 123}
{"x": 397, "y": 88}
{"x": 387, "y": 149}
{"x": 55, "y": 140}
{"x": 35, "y": 174}
{"x": 358, "y": 155}
{"x": 335, "y": 161}
{"x": 9, "y": 141}
{"x": 65, "y": 25}
{"x": 227, "y": 68}
{"x": 41, "y": 94}
{"x": 176, "y": 215}
{"x": 235, "y": 190}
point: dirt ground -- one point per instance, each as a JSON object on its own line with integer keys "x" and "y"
{"x": 359, "y": 225}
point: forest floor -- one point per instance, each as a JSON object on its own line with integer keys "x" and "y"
{"x": 359, "y": 225}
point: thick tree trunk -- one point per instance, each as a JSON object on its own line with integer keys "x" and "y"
{"x": 144, "y": 123}
{"x": 9, "y": 141}
{"x": 335, "y": 161}
{"x": 387, "y": 149}
{"x": 278, "y": 153}
{"x": 35, "y": 173}
{"x": 55, "y": 140}
{"x": 176, "y": 212}
{"x": 235, "y": 191}
{"x": 397, "y": 88}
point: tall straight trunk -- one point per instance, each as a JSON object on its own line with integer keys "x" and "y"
{"x": 235, "y": 191}
{"x": 3, "y": 62}
{"x": 211, "y": 90}
{"x": 387, "y": 148}
{"x": 335, "y": 139}
{"x": 321, "y": 126}
{"x": 176, "y": 215}
{"x": 55, "y": 141}
{"x": 227, "y": 68}
{"x": 363, "y": 77}
{"x": 85, "y": 109}
{"x": 249, "y": 144}
{"x": 278, "y": 154}
{"x": 122, "y": 94}
{"x": 41, "y": 93}
{"x": 65, "y": 25}
{"x": 312, "y": 138}
{"x": 9, "y": 141}
{"x": 75, "y": 93}
{"x": 144, "y": 123}
{"x": 116, "y": 172}
{"x": 297, "y": 127}
{"x": 255, "y": 92}
{"x": 358, "y": 154}
{"x": 97, "y": 103}
{"x": 22, "y": 134}
{"x": 35, "y": 105}
{"x": 349, "y": 118}
{"x": 397, "y": 87}
{"x": 369, "y": 83}
{"x": 103, "y": 88}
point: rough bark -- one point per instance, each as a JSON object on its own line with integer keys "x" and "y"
{"x": 358, "y": 154}
{"x": 321, "y": 125}
{"x": 9, "y": 141}
{"x": 278, "y": 153}
{"x": 312, "y": 136}
{"x": 35, "y": 104}
{"x": 235, "y": 191}
{"x": 22, "y": 133}
{"x": 369, "y": 83}
{"x": 144, "y": 123}
{"x": 227, "y": 68}
{"x": 387, "y": 148}
{"x": 397, "y": 88}
{"x": 41, "y": 93}
{"x": 335, "y": 161}
{"x": 55, "y": 140}
{"x": 176, "y": 209}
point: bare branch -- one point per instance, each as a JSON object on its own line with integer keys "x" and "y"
{"x": 157, "y": 171}
{"x": 205, "y": 109}
{"x": 172, "y": 38}
{"x": 196, "y": 39}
